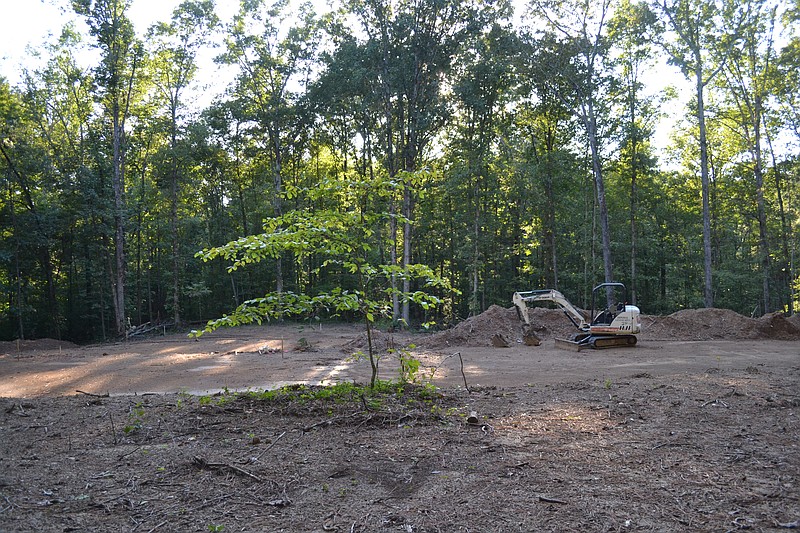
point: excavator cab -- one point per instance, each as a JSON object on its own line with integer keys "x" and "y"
{"x": 615, "y": 296}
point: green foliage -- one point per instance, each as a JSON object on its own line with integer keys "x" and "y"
{"x": 136, "y": 418}
{"x": 341, "y": 241}
{"x": 373, "y": 397}
{"x": 343, "y": 140}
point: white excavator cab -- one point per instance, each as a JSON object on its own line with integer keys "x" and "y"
{"x": 616, "y": 316}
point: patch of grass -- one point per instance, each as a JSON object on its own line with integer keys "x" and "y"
{"x": 328, "y": 398}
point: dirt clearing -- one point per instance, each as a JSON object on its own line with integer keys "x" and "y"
{"x": 695, "y": 429}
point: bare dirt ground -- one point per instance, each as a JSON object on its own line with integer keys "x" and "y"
{"x": 694, "y": 429}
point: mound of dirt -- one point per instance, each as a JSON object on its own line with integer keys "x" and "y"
{"x": 381, "y": 343}
{"x": 779, "y": 327}
{"x": 479, "y": 330}
{"x": 700, "y": 324}
{"x": 37, "y": 345}
{"x": 712, "y": 323}
{"x": 687, "y": 324}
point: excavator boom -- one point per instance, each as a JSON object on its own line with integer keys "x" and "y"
{"x": 521, "y": 299}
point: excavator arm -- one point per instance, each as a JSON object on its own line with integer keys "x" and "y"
{"x": 521, "y": 299}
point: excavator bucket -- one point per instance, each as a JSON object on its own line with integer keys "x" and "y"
{"x": 529, "y": 336}
{"x": 567, "y": 344}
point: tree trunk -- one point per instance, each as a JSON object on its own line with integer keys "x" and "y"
{"x": 708, "y": 294}
{"x": 406, "y": 251}
{"x": 474, "y": 303}
{"x": 600, "y": 191}
{"x": 278, "y": 204}
{"x": 634, "y": 176}
{"x": 176, "y": 304}
{"x": 786, "y": 270}
{"x": 762, "y": 216}
{"x": 118, "y": 185}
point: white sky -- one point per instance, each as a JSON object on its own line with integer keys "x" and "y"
{"x": 28, "y": 24}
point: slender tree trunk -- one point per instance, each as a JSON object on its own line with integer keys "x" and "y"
{"x": 708, "y": 294}
{"x": 634, "y": 175}
{"x": 406, "y": 251}
{"x": 17, "y": 270}
{"x": 118, "y": 186}
{"x": 597, "y": 170}
{"x": 786, "y": 278}
{"x": 474, "y": 304}
{"x": 393, "y": 259}
{"x": 278, "y": 203}
{"x": 176, "y": 303}
{"x": 549, "y": 231}
{"x": 762, "y": 216}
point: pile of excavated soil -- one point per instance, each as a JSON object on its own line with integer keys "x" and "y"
{"x": 708, "y": 324}
{"x": 688, "y": 324}
{"x": 382, "y": 342}
{"x": 478, "y": 330}
{"x": 777, "y": 326}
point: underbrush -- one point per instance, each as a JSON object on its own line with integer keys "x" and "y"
{"x": 394, "y": 401}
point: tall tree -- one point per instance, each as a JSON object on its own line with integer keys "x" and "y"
{"x": 116, "y": 75}
{"x": 484, "y": 77}
{"x": 175, "y": 65}
{"x": 705, "y": 33}
{"x": 628, "y": 30}
{"x": 749, "y": 72}
{"x": 789, "y": 109}
{"x": 578, "y": 29}
{"x": 59, "y": 103}
{"x": 411, "y": 45}
{"x": 274, "y": 56}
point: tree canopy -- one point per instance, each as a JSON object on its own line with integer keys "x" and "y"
{"x": 354, "y": 157}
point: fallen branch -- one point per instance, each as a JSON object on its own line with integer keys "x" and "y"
{"x": 106, "y": 395}
{"x": 202, "y": 464}
{"x": 265, "y": 450}
{"x": 551, "y": 500}
{"x": 17, "y": 406}
{"x": 157, "y": 526}
{"x": 330, "y": 421}
{"x": 124, "y": 455}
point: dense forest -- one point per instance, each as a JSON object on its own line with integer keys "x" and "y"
{"x": 347, "y": 149}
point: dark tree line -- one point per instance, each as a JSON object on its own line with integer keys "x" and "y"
{"x": 504, "y": 155}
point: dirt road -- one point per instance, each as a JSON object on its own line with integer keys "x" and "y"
{"x": 695, "y": 429}
{"x": 266, "y": 357}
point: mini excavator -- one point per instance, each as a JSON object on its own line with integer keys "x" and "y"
{"x": 614, "y": 325}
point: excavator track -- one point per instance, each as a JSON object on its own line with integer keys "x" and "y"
{"x": 612, "y": 341}
{"x": 598, "y": 342}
